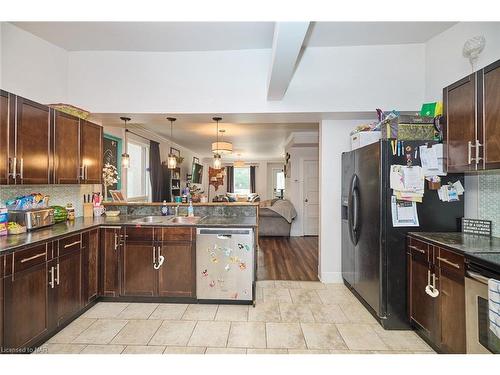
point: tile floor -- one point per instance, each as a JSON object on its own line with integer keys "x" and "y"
{"x": 290, "y": 317}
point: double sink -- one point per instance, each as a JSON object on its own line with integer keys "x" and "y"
{"x": 168, "y": 220}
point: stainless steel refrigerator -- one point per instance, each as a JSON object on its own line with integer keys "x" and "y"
{"x": 374, "y": 263}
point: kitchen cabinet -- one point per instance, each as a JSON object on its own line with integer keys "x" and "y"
{"x": 5, "y": 109}
{"x": 111, "y": 245}
{"x": 441, "y": 319}
{"x": 90, "y": 265}
{"x": 176, "y": 276}
{"x": 139, "y": 276}
{"x": 32, "y": 139}
{"x": 472, "y": 113}
{"x": 91, "y": 152}
{"x": 26, "y": 286}
{"x": 489, "y": 112}
{"x": 66, "y": 149}
{"x": 1, "y": 304}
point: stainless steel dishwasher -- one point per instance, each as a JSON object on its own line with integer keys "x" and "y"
{"x": 225, "y": 264}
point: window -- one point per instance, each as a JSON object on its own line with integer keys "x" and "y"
{"x": 138, "y": 183}
{"x": 278, "y": 183}
{"x": 242, "y": 180}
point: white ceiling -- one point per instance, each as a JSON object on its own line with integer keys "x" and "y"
{"x": 207, "y": 36}
{"x": 253, "y": 140}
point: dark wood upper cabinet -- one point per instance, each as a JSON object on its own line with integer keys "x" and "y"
{"x": 176, "y": 276}
{"x": 90, "y": 265}
{"x": 91, "y": 152}
{"x": 110, "y": 239}
{"x": 5, "y": 109}
{"x": 66, "y": 149}
{"x": 460, "y": 131}
{"x": 489, "y": 93}
{"x": 33, "y": 130}
{"x": 26, "y": 318}
{"x": 139, "y": 276}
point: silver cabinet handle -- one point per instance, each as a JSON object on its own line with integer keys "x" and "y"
{"x": 24, "y": 260}
{"x": 12, "y": 168}
{"x": 116, "y": 240}
{"x": 21, "y": 168}
{"x": 477, "y": 151}
{"x": 82, "y": 172}
{"x": 469, "y": 152}
{"x": 154, "y": 255}
{"x": 417, "y": 249}
{"x": 57, "y": 272}
{"x": 85, "y": 172}
{"x": 52, "y": 282}
{"x": 444, "y": 260}
{"x": 72, "y": 244}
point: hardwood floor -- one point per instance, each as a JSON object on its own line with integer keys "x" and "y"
{"x": 288, "y": 258}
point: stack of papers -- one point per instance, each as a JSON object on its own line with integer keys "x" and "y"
{"x": 432, "y": 160}
{"x": 407, "y": 183}
{"x": 451, "y": 192}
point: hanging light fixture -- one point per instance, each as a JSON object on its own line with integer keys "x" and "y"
{"x": 171, "y": 159}
{"x": 125, "y": 156}
{"x": 239, "y": 163}
{"x": 221, "y": 147}
{"x": 217, "y": 156}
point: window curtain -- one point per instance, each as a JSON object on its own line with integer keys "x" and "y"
{"x": 166, "y": 194}
{"x": 252, "y": 179}
{"x": 155, "y": 172}
{"x": 230, "y": 179}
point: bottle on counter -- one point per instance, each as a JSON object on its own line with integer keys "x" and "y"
{"x": 71, "y": 211}
{"x": 190, "y": 209}
{"x": 164, "y": 209}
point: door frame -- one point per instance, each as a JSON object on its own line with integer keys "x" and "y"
{"x": 302, "y": 193}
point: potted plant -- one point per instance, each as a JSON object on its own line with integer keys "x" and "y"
{"x": 109, "y": 177}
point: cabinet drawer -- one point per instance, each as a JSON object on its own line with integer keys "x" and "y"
{"x": 174, "y": 234}
{"x": 28, "y": 258}
{"x": 69, "y": 243}
{"x": 139, "y": 233}
{"x": 419, "y": 248}
{"x": 451, "y": 261}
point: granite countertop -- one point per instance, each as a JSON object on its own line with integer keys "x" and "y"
{"x": 13, "y": 242}
{"x": 479, "y": 249}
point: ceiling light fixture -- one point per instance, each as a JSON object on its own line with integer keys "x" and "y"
{"x": 239, "y": 163}
{"x": 217, "y": 156}
{"x": 125, "y": 156}
{"x": 221, "y": 147}
{"x": 171, "y": 159}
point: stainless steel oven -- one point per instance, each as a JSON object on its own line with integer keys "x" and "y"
{"x": 480, "y": 339}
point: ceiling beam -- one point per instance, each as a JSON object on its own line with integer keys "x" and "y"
{"x": 287, "y": 43}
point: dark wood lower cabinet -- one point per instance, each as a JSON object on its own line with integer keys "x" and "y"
{"x": 441, "y": 319}
{"x": 1, "y": 305}
{"x": 176, "y": 277}
{"x": 25, "y": 307}
{"x": 138, "y": 274}
{"x": 66, "y": 295}
{"x": 90, "y": 266}
{"x": 110, "y": 239}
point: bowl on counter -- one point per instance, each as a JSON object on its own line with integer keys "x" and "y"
{"x": 112, "y": 213}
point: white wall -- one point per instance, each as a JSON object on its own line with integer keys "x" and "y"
{"x": 334, "y": 139}
{"x": 444, "y": 63}
{"x": 32, "y": 67}
{"x": 327, "y": 79}
{"x": 294, "y": 184}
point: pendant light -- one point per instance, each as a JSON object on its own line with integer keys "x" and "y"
{"x": 217, "y": 156}
{"x": 171, "y": 159}
{"x": 221, "y": 147}
{"x": 125, "y": 156}
{"x": 239, "y": 163}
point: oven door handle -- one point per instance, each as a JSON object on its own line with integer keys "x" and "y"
{"x": 477, "y": 277}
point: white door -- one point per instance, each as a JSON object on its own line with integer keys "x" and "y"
{"x": 311, "y": 197}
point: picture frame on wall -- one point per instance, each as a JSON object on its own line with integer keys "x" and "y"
{"x": 175, "y": 152}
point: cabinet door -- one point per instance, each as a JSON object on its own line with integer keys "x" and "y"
{"x": 422, "y": 307}
{"x": 67, "y": 299}
{"x": 176, "y": 276}
{"x": 110, "y": 250}
{"x": 5, "y": 118}
{"x": 460, "y": 112}
{"x": 1, "y": 305}
{"x": 490, "y": 112}
{"x": 452, "y": 312}
{"x": 138, "y": 274}
{"x": 33, "y": 143}
{"x": 25, "y": 307}
{"x": 66, "y": 149}
{"x": 90, "y": 265}
{"x": 91, "y": 152}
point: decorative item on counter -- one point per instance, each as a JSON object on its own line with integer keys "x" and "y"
{"x": 15, "y": 228}
{"x": 60, "y": 214}
{"x": 99, "y": 211}
{"x": 71, "y": 211}
{"x": 109, "y": 177}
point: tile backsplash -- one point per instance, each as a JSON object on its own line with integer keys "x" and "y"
{"x": 59, "y": 194}
{"x": 489, "y": 199}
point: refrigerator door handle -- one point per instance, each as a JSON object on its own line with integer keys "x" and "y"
{"x": 353, "y": 210}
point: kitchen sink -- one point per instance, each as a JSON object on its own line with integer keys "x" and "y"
{"x": 153, "y": 219}
{"x": 185, "y": 219}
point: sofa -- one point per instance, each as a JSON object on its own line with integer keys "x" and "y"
{"x": 276, "y": 217}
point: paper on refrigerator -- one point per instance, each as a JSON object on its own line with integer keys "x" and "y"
{"x": 432, "y": 160}
{"x": 404, "y": 213}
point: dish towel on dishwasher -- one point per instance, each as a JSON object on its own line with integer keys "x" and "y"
{"x": 494, "y": 306}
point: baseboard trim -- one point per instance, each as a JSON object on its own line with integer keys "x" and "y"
{"x": 331, "y": 277}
